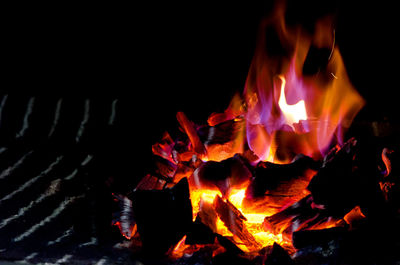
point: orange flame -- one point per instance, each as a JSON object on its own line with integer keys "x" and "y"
{"x": 318, "y": 107}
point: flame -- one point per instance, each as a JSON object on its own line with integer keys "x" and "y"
{"x": 293, "y": 113}
{"x": 279, "y": 96}
{"x": 287, "y": 108}
{"x": 286, "y": 111}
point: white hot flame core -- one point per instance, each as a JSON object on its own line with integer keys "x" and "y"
{"x": 293, "y": 113}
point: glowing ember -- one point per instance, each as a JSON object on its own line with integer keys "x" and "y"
{"x": 253, "y": 221}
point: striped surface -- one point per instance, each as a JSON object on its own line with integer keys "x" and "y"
{"x": 55, "y": 163}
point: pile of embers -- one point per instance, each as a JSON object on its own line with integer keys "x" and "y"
{"x": 341, "y": 209}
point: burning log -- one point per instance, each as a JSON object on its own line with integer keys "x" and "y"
{"x": 235, "y": 109}
{"x": 189, "y": 129}
{"x": 170, "y": 163}
{"x": 223, "y": 140}
{"x": 280, "y": 221}
{"x": 301, "y": 215}
{"x": 164, "y": 167}
{"x": 163, "y": 217}
{"x": 281, "y": 184}
{"x": 183, "y": 170}
{"x": 333, "y": 194}
{"x": 164, "y": 147}
{"x": 230, "y": 247}
{"x": 347, "y": 178}
{"x": 354, "y": 218}
{"x": 337, "y": 176}
{"x": 207, "y": 215}
{"x": 234, "y": 221}
{"x": 280, "y": 177}
{"x": 221, "y": 133}
{"x": 204, "y": 229}
{"x": 224, "y": 175}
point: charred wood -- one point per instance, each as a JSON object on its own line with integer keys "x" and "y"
{"x": 276, "y": 255}
{"x": 224, "y": 174}
{"x": 342, "y": 181}
{"x": 301, "y": 215}
{"x": 329, "y": 253}
{"x": 379, "y": 239}
{"x": 207, "y": 215}
{"x": 200, "y": 233}
{"x": 164, "y": 147}
{"x": 123, "y": 218}
{"x": 349, "y": 177}
{"x": 183, "y": 170}
{"x": 164, "y": 167}
{"x": 304, "y": 238}
{"x": 280, "y": 178}
{"x": 228, "y": 258}
{"x": 355, "y": 218}
{"x": 150, "y": 182}
{"x": 191, "y": 132}
{"x": 274, "y": 186}
{"x": 280, "y": 221}
{"x": 228, "y": 245}
{"x": 234, "y": 221}
{"x": 163, "y": 217}
{"x": 220, "y": 133}
{"x": 204, "y": 227}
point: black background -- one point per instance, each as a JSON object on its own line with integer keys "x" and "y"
{"x": 160, "y": 58}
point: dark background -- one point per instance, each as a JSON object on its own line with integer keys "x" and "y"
{"x": 160, "y": 58}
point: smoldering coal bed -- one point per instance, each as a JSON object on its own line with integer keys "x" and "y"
{"x": 347, "y": 207}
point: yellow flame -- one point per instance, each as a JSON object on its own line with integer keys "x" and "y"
{"x": 293, "y": 113}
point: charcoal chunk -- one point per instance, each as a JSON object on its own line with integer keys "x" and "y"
{"x": 163, "y": 217}
{"x": 278, "y": 256}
